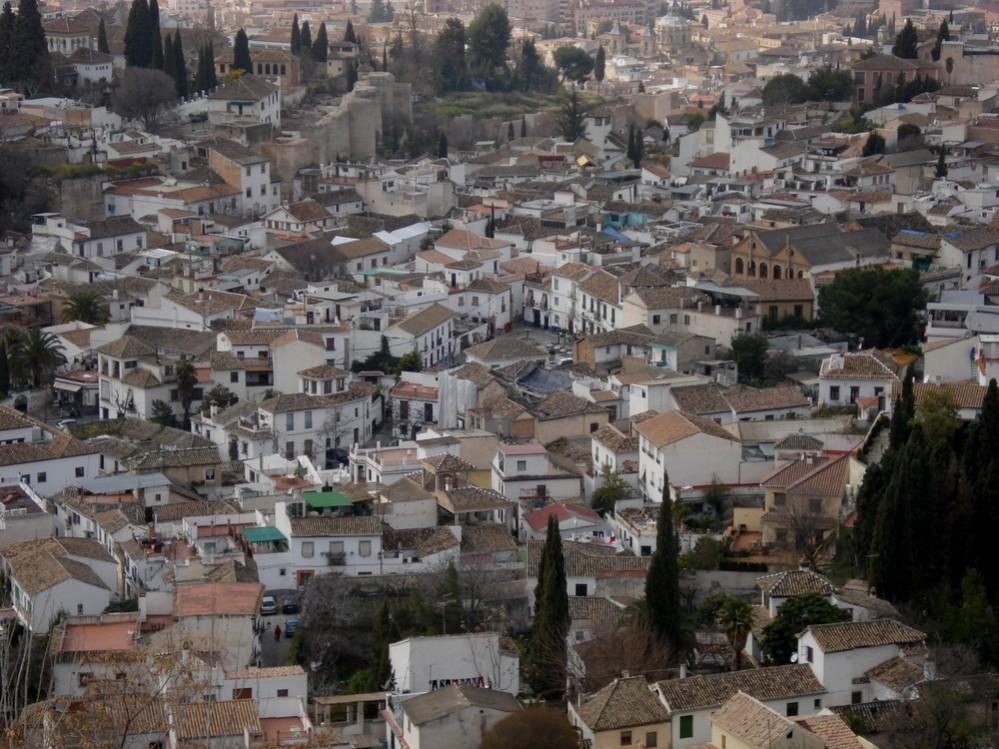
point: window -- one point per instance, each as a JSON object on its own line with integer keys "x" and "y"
{"x": 723, "y": 741}
{"x": 581, "y": 590}
{"x": 780, "y": 500}
{"x": 282, "y": 693}
{"x": 521, "y": 465}
{"x": 364, "y": 548}
{"x": 289, "y": 422}
{"x": 656, "y": 319}
{"x": 209, "y": 474}
{"x": 651, "y": 740}
{"x": 308, "y": 549}
{"x": 815, "y": 506}
{"x": 686, "y": 726}
{"x": 809, "y": 656}
{"x": 817, "y": 704}
{"x": 625, "y": 738}
{"x": 79, "y": 472}
{"x": 792, "y": 709}
{"x": 856, "y": 698}
{"x": 41, "y": 477}
{"x": 834, "y": 393}
{"x": 234, "y": 377}
{"x": 308, "y": 419}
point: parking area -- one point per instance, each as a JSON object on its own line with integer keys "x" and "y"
{"x": 274, "y": 651}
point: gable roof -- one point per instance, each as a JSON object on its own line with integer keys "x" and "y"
{"x": 840, "y": 636}
{"x": 561, "y": 511}
{"x": 440, "y": 703}
{"x": 673, "y": 426}
{"x": 621, "y": 704}
{"x": 752, "y": 721}
{"x": 425, "y": 320}
{"x": 711, "y": 690}
{"x": 795, "y": 583}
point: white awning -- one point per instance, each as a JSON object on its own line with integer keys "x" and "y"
{"x": 69, "y": 387}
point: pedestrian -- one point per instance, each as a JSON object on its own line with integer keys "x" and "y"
{"x": 277, "y": 632}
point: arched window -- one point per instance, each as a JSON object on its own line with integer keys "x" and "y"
{"x": 740, "y": 267}
{"x": 776, "y": 272}
{"x": 752, "y": 267}
{"x": 801, "y": 274}
{"x": 763, "y": 270}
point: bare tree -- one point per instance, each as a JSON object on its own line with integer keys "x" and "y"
{"x": 143, "y": 94}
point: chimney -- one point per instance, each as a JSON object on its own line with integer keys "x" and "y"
{"x": 683, "y": 670}
{"x": 700, "y": 305}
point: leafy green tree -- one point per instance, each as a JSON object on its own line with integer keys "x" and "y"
{"x": 87, "y": 307}
{"x": 780, "y": 637}
{"x": 750, "y": 353}
{"x": 163, "y": 414}
{"x": 874, "y": 144}
{"x": 827, "y": 84}
{"x": 296, "y": 35}
{"x": 612, "y": 489}
{"x": 907, "y": 42}
{"x": 321, "y": 45}
{"x": 573, "y": 63}
{"x": 102, "y": 38}
{"x": 219, "y": 396}
{"x": 378, "y": 12}
{"x": 694, "y": 121}
{"x": 546, "y": 651}
{"x": 786, "y": 88}
{"x": 187, "y": 382}
{"x": 600, "y": 65}
{"x": 34, "y": 356}
{"x": 537, "y": 727}
{"x": 450, "y": 65}
{"x": 409, "y": 362}
{"x": 735, "y": 617}
{"x": 879, "y": 306}
{"x": 241, "y": 53}
{"x": 662, "y": 583}
{"x": 572, "y": 118}
{"x": 488, "y": 39}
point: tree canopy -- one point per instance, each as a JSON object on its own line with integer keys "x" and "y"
{"x": 780, "y": 637}
{"x": 241, "y": 53}
{"x": 877, "y": 305}
{"x": 662, "y": 583}
{"x": 450, "y": 64}
{"x": 488, "y": 39}
{"x": 573, "y": 63}
{"x": 534, "y": 728}
{"x": 907, "y": 42}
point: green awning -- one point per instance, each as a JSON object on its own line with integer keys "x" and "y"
{"x": 262, "y": 534}
{"x": 321, "y": 500}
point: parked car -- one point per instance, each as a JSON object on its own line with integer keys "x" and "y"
{"x": 289, "y": 606}
{"x": 268, "y": 606}
{"x": 289, "y": 628}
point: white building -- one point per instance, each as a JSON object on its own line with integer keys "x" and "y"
{"x": 425, "y": 664}
{"x": 456, "y": 717}
{"x": 52, "y": 232}
{"x": 846, "y": 379}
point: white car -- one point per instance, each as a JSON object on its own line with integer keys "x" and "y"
{"x": 268, "y": 606}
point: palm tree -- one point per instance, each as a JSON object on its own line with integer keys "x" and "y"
{"x": 85, "y": 306}
{"x": 34, "y": 355}
{"x": 735, "y": 616}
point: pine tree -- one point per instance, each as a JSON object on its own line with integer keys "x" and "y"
{"x": 156, "y": 59}
{"x": 29, "y": 57}
{"x": 8, "y": 21}
{"x": 169, "y": 61}
{"x": 348, "y": 33}
{"x": 180, "y": 66}
{"x": 241, "y": 53}
{"x": 546, "y": 652}
{"x": 442, "y": 147}
{"x": 662, "y": 583}
{"x": 941, "y": 170}
{"x": 523, "y": 126}
{"x": 306, "y": 36}
{"x": 321, "y": 45}
{"x": 138, "y": 51}
{"x": 102, "y": 38}
{"x": 296, "y": 36}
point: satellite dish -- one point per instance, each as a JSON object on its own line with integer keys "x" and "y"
{"x": 794, "y": 657}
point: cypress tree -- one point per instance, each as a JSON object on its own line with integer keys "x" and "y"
{"x": 4, "y": 372}
{"x": 941, "y": 170}
{"x": 351, "y": 75}
{"x": 7, "y": 23}
{"x": 296, "y": 36}
{"x": 384, "y": 58}
{"x": 211, "y": 79}
{"x": 442, "y": 147}
{"x": 102, "y": 38}
{"x": 510, "y": 132}
{"x": 201, "y": 74}
{"x": 137, "y": 51}
{"x": 157, "y": 59}
{"x": 29, "y": 58}
{"x": 662, "y": 583}
{"x": 348, "y": 33}
{"x": 523, "y": 126}
{"x": 902, "y": 413}
{"x": 241, "y": 53}
{"x": 306, "y": 36}
{"x": 180, "y": 66}
{"x": 547, "y": 647}
{"x": 321, "y": 45}
{"x": 169, "y": 61}
{"x": 599, "y": 65}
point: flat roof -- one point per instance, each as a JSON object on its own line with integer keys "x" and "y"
{"x": 100, "y": 636}
{"x": 331, "y": 498}
{"x": 263, "y": 533}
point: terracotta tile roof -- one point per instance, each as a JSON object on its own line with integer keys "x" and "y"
{"x": 573, "y": 271}
{"x": 482, "y": 539}
{"x": 42, "y": 568}
{"x": 506, "y": 347}
{"x": 596, "y": 609}
{"x": 471, "y": 499}
{"x": 217, "y": 599}
{"x": 753, "y": 722}
{"x": 590, "y": 560}
{"x": 414, "y": 390}
{"x": 747, "y": 400}
{"x": 158, "y": 459}
{"x": 323, "y": 372}
{"x": 897, "y": 673}
{"x": 215, "y": 719}
{"x": 424, "y": 321}
{"x": 701, "y": 399}
{"x": 875, "y": 717}
{"x": 714, "y": 161}
{"x": 833, "y": 730}
{"x": 361, "y": 248}
{"x": 962, "y": 394}
{"x": 467, "y": 240}
{"x": 443, "y": 702}
{"x": 179, "y": 510}
{"x": 264, "y": 673}
{"x": 285, "y": 402}
{"x": 327, "y": 525}
{"x": 840, "y": 636}
{"x": 561, "y": 511}
{"x": 614, "y": 439}
{"x": 447, "y": 463}
{"x": 603, "y": 286}
{"x": 712, "y": 690}
{"x": 794, "y": 583}
{"x": 670, "y": 297}
{"x": 562, "y": 404}
{"x": 860, "y": 365}
{"x": 673, "y": 426}
{"x": 799, "y": 441}
{"x": 622, "y": 704}
{"x": 127, "y": 347}
{"x": 309, "y": 210}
